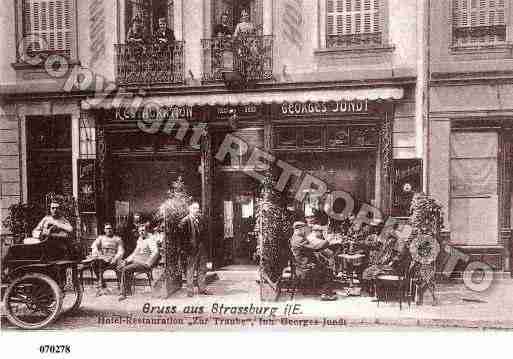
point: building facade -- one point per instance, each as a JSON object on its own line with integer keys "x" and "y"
{"x": 336, "y": 89}
{"x": 470, "y": 124}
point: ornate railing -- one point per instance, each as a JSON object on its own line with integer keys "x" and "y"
{"x": 251, "y": 56}
{"x": 149, "y": 64}
{"x": 355, "y": 40}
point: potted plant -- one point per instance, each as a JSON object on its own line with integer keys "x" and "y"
{"x": 22, "y": 218}
{"x": 169, "y": 215}
{"x": 427, "y": 221}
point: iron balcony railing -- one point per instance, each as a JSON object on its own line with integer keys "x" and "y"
{"x": 355, "y": 40}
{"x": 149, "y": 64}
{"x": 251, "y": 56}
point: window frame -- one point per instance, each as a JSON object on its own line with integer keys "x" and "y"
{"x": 472, "y": 48}
{"x": 20, "y": 33}
{"x": 384, "y": 26}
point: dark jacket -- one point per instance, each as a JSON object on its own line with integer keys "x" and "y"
{"x": 190, "y": 243}
{"x": 166, "y": 37}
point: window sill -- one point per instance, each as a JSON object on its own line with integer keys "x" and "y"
{"x": 482, "y": 49}
{"x": 21, "y": 66}
{"x": 354, "y": 50}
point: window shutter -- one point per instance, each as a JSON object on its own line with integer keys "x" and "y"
{"x": 478, "y": 22}
{"x": 49, "y": 20}
{"x": 350, "y": 17}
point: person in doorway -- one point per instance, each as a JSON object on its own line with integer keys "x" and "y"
{"x": 194, "y": 247}
{"x": 164, "y": 36}
{"x": 135, "y": 35}
{"x": 308, "y": 267}
{"x": 244, "y": 27}
{"x": 144, "y": 257}
{"x": 223, "y": 29}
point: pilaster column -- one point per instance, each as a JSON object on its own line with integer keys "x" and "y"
{"x": 386, "y": 160}
{"x": 207, "y": 169}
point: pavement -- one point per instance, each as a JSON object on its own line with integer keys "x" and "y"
{"x": 236, "y": 305}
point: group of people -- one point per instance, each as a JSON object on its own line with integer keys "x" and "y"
{"x": 163, "y": 35}
{"x": 108, "y": 252}
{"x": 316, "y": 254}
{"x": 138, "y": 250}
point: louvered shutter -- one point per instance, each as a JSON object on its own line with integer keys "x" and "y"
{"x": 49, "y": 20}
{"x": 350, "y": 17}
{"x": 478, "y": 22}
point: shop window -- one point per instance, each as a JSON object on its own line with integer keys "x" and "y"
{"x": 285, "y": 137}
{"x": 354, "y": 23}
{"x": 312, "y": 137}
{"x": 338, "y": 136}
{"x": 406, "y": 180}
{"x": 48, "y": 26}
{"x": 479, "y": 23}
{"x": 474, "y": 193}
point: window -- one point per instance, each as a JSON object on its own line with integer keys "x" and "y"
{"x": 50, "y": 22}
{"x": 353, "y": 23}
{"x": 474, "y": 193}
{"x": 478, "y": 23}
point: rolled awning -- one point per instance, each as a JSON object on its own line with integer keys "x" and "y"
{"x": 248, "y": 98}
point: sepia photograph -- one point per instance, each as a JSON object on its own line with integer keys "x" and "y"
{"x": 261, "y": 166}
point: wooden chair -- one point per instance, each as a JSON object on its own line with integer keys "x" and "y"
{"x": 149, "y": 276}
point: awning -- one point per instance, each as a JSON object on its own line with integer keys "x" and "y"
{"x": 247, "y": 98}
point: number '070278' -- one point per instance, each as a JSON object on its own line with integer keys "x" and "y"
{"x": 54, "y": 349}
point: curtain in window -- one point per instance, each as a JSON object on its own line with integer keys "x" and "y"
{"x": 473, "y": 179}
{"x": 49, "y": 20}
{"x": 478, "y": 22}
{"x": 348, "y": 17}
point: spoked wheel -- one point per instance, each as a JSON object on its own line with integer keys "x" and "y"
{"x": 33, "y": 301}
{"x": 72, "y": 292}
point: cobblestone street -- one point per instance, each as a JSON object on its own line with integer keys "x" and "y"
{"x": 457, "y": 308}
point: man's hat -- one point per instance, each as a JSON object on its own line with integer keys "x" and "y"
{"x": 299, "y": 224}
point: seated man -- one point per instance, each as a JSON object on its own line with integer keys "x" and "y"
{"x": 55, "y": 229}
{"x": 107, "y": 252}
{"x": 144, "y": 257}
{"x": 308, "y": 267}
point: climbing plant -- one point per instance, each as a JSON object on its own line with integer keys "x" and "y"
{"x": 170, "y": 214}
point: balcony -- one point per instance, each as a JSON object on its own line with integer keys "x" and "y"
{"x": 251, "y": 56}
{"x": 352, "y": 41}
{"x": 149, "y": 64}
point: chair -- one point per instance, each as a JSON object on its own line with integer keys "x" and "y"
{"x": 395, "y": 284}
{"x": 89, "y": 267}
{"x": 288, "y": 280}
{"x": 149, "y": 276}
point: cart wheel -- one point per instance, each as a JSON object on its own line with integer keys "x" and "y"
{"x": 33, "y": 301}
{"x": 73, "y": 293}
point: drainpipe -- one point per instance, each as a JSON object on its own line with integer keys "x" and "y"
{"x": 422, "y": 125}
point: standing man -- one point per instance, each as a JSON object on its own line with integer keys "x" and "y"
{"x": 194, "y": 246}
{"x": 163, "y": 35}
{"x": 107, "y": 252}
{"x": 144, "y": 257}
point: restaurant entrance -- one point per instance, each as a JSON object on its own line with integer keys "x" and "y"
{"x": 234, "y": 212}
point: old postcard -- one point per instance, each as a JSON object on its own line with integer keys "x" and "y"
{"x": 255, "y": 165}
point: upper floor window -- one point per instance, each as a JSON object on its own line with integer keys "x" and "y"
{"x": 354, "y": 23}
{"x": 149, "y": 13}
{"x": 478, "y": 23}
{"x": 50, "y": 23}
